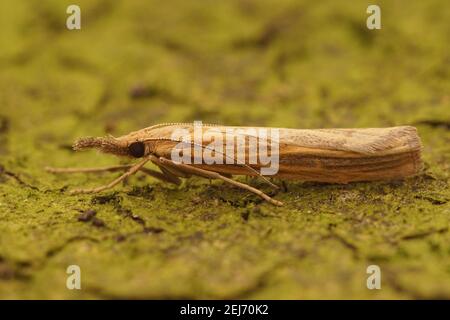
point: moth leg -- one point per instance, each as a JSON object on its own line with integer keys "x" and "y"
{"x": 164, "y": 176}
{"x": 133, "y": 169}
{"x": 155, "y": 174}
{"x": 214, "y": 175}
{"x": 172, "y": 168}
{"x": 88, "y": 170}
{"x": 169, "y": 169}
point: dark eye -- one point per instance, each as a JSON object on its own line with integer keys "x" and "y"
{"x": 136, "y": 149}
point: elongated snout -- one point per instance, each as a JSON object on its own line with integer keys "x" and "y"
{"x": 103, "y": 144}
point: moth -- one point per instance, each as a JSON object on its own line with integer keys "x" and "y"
{"x": 322, "y": 155}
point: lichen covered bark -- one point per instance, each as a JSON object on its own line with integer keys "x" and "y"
{"x": 299, "y": 64}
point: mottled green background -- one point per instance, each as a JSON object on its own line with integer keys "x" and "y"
{"x": 300, "y": 64}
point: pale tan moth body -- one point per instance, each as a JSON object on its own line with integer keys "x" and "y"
{"x": 322, "y": 155}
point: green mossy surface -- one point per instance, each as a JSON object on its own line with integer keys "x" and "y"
{"x": 300, "y": 64}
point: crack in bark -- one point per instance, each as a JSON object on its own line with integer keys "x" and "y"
{"x": 435, "y": 123}
{"x": 424, "y": 234}
{"x": 52, "y": 252}
{"x": 432, "y": 200}
{"x": 12, "y": 271}
{"x": 354, "y": 249}
{"x": 17, "y": 178}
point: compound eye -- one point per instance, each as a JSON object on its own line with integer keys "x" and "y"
{"x": 136, "y": 149}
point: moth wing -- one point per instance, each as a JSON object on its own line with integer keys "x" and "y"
{"x": 368, "y": 141}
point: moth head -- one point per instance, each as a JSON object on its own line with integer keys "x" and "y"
{"x": 119, "y": 147}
